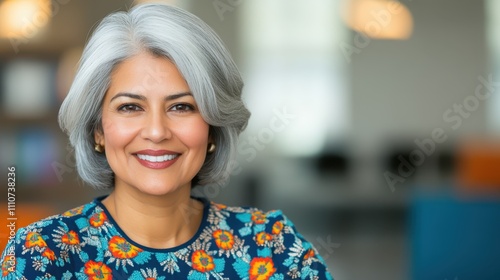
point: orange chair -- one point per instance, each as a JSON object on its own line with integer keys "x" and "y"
{"x": 478, "y": 165}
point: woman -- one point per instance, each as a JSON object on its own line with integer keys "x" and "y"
{"x": 155, "y": 108}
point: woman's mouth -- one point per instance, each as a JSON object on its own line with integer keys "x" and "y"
{"x": 157, "y": 158}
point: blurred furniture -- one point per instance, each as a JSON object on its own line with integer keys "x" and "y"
{"x": 455, "y": 237}
{"x": 478, "y": 165}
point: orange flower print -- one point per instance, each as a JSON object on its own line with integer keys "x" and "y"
{"x": 97, "y": 271}
{"x": 277, "y": 227}
{"x": 8, "y": 266}
{"x": 121, "y": 249}
{"x": 202, "y": 261}
{"x": 224, "y": 239}
{"x": 261, "y": 268}
{"x": 49, "y": 254}
{"x": 98, "y": 219}
{"x": 258, "y": 217}
{"x": 262, "y": 237}
{"x": 34, "y": 239}
{"x": 73, "y": 212}
{"x": 70, "y": 238}
{"x": 309, "y": 254}
{"x": 219, "y": 206}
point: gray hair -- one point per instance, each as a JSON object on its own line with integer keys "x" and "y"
{"x": 199, "y": 55}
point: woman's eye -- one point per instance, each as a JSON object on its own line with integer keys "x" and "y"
{"x": 129, "y": 108}
{"x": 182, "y": 107}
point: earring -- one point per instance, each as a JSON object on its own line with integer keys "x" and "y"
{"x": 98, "y": 148}
{"x": 211, "y": 148}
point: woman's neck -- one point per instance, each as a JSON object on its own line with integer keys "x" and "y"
{"x": 156, "y": 221}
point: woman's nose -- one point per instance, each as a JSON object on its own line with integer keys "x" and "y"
{"x": 156, "y": 128}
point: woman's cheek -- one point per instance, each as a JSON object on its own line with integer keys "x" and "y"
{"x": 194, "y": 133}
{"x": 117, "y": 130}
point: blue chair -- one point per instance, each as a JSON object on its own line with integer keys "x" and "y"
{"x": 455, "y": 238}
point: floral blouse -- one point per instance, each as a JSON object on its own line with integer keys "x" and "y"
{"x": 231, "y": 243}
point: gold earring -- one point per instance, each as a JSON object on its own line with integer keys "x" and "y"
{"x": 98, "y": 148}
{"x": 211, "y": 148}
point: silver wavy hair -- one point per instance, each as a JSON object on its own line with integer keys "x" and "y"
{"x": 200, "y": 57}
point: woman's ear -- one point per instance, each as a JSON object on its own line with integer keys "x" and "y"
{"x": 99, "y": 137}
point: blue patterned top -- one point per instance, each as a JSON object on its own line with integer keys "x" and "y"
{"x": 231, "y": 243}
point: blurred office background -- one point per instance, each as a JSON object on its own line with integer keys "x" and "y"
{"x": 373, "y": 127}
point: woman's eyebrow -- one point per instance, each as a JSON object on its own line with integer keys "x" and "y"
{"x": 177, "y": 95}
{"x": 142, "y": 97}
{"x": 127, "y": 94}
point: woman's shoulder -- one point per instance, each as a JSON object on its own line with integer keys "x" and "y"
{"x": 69, "y": 220}
{"x": 50, "y": 231}
{"x": 265, "y": 239}
{"x": 250, "y": 221}
{"x": 247, "y": 214}
{"x": 45, "y": 246}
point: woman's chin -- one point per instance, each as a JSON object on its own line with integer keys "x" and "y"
{"x": 159, "y": 190}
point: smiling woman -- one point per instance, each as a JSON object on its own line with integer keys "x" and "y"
{"x": 159, "y": 128}
{"x": 155, "y": 109}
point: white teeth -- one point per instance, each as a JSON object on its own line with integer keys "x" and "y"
{"x": 156, "y": 158}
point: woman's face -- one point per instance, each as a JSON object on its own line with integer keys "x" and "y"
{"x": 154, "y": 137}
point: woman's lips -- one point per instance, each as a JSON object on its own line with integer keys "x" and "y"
{"x": 156, "y": 159}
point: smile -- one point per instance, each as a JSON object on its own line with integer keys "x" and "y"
{"x": 157, "y": 158}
